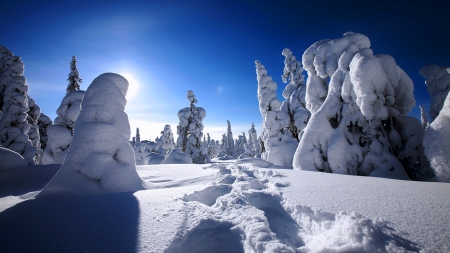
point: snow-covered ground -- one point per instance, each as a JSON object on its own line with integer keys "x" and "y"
{"x": 224, "y": 206}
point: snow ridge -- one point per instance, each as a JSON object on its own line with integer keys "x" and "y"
{"x": 244, "y": 211}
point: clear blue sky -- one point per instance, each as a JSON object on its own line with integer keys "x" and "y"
{"x": 165, "y": 48}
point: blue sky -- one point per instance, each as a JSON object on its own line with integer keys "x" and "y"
{"x": 165, "y": 48}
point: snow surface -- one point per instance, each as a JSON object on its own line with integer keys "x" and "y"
{"x": 10, "y": 160}
{"x": 227, "y": 207}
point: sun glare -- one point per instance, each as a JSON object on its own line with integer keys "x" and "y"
{"x": 133, "y": 86}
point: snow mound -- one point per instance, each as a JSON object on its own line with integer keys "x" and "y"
{"x": 59, "y": 139}
{"x": 100, "y": 159}
{"x": 153, "y": 158}
{"x": 10, "y": 160}
{"x": 176, "y": 156}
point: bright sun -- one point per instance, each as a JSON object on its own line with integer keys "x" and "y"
{"x": 133, "y": 86}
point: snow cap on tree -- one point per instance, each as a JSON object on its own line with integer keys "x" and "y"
{"x": 14, "y": 126}
{"x": 43, "y": 122}
{"x": 100, "y": 159}
{"x": 437, "y": 143}
{"x": 357, "y": 124}
{"x": 438, "y": 82}
{"x": 74, "y": 77}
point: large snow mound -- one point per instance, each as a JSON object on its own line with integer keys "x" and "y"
{"x": 10, "y": 160}
{"x": 176, "y": 156}
{"x": 100, "y": 158}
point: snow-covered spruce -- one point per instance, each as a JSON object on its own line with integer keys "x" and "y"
{"x": 190, "y": 129}
{"x": 437, "y": 143}
{"x": 294, "y": 93}
{"x": 167, "y": 138}
{"x": 231, "y": 152}
{"x": 100, "y": 159}
{"x": 33, "y": 133}
{"x": 358, "y": 124}
{"x": 138, "y": 135}
{"x": 14, "y": 126}
{"x": 279, "y": 146}
{"x": 241, "y": 142}
{"x": 424, "y": 117}
{"x": 253, "y": 141}
{"x": 60, "y": 134}
{"x": 43, "y": 123}
{"x": 74, "y": 77}
{"x": 438, "y": 82}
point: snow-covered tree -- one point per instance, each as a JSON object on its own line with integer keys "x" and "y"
{"x": 230, "y": 141}
{"x": 167, "y": 138}
{"x": 240, "y": 144}
{"x": 100, "y": 159}
{"x": 74, "y": 77}
{"x": 424, "y": 117}
{"x": 14, "y": 126}
{"x": 60, "y": 134}
{"x": 133, "y": 142}
{"x": 33, "y": 133}
{"x": 43, "y": 122}
{"x": 294, "y": 93}
{"x": 138, "y": 136}
{"x": 438, "y": 86}
{"x": 358, "y": 102}
{"x": 190, "y": 129}
{"x": 279, "y": 145}
{"x": 437, "y": 143}
{"x": 253, "y": 141}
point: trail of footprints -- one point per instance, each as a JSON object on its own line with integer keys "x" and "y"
{"x": 243, "y": 211}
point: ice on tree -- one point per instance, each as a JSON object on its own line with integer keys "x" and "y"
{"x": 437, "y": 143}
{"x": 74, "y": 77}
{"x": 424, "y": 117}
{"x": 100, "y": 159}
{"x": 279, "y": 146}
{"x": 167, "y": 138}
{"x": 294, "y": 93}
{"x": 60, "y": 134}
{"x": 43, "y": 123}
{"x": 14, "y": 126}
{"x": 190, "y": 129}
{"x": 438, "y": 86}
{"x": 33, "y": 133}
{"x": 230, "y": 149}
{"x": 358, "y": 102}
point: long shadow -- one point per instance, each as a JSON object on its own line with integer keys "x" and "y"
{"x": 25, "y": 180}
{"x": 96, "y": 223}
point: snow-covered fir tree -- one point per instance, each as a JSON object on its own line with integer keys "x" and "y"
{"x": 33, "y": 133}
{"x": 100, "y": 159}
{"x": 167, "y": 138}
{"x": 190, "y": 129}
{"x": 133, "y": 141}
{"x": 138, "y": 136}
{"x": 294, "y": 93}
{"x": 60, "y": 134}
{"x": 279, "y": 145}
{"x": 14, "y": 126}
{"x": 437, "y": 143}
{"x": 438, "y": 86}
{"x": 74, "y": 77}
{"x": 230, "y": 141}
{"x": 240, "y": 144}
{"x": 253, "y": 140}
{"x": 43, "y": 122}
{"x": 424, "y": 117}
{"x": 359, "y": 102}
